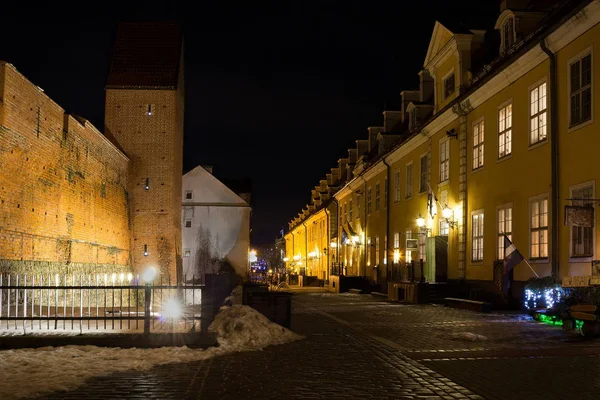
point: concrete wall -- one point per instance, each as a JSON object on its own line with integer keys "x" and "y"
{"x": 63, "y": 187}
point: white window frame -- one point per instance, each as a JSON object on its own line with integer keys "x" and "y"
{"x": 409, "y": 180}
{"x": 571, "y": 61}
{"x": 397, "y": 181}
{"x": 187, "y": 253}
{"x": 582, "y": 258}
{"x": 369, "y": 252}
{"x": 479, "y": 147}
{"x": 480, "y": 231}
{"x": 444, "y": 227}
{"x": 502, "y": 229}
{"x": 377, "y": 254}
{"x": 538, "y": 116}
{"x": 444, "y": 172}
{"x": 396, "y": 240}
{"x": 450, "y": 73}
{"x": 423, "y": 188}
{"x": 506, "y": 131}
{"x": 532, "y": 200}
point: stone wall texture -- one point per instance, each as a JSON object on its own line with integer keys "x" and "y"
{"x": 63, "y": 185}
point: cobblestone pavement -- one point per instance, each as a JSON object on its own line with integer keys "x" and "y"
{"x": 358, "y": 347}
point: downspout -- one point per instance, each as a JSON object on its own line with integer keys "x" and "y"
{"x": 553, "y": 130}
{"x": 366, "y": 236}
{"x": 305, "y": 247}
{"x": 327, "y": 241}
{"x": 338, "y": 233}
{"x": 387, "y": 223}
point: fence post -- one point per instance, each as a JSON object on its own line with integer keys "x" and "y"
{"x": 147, "y": 299}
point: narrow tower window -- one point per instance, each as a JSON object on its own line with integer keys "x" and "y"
{"x": 145, "y": 250}
{"x": 147, "y": 184}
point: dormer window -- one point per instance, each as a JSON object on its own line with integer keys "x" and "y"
{"x": 448, "y": 85}
{"x": 412, "y": 122}
{"x": 508, "y": 34}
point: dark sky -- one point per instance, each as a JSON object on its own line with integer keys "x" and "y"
{"x": 275, "y": 90}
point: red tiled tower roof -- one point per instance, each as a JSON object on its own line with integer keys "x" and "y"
{"x": 146, "y": 54}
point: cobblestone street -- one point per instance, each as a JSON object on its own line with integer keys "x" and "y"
{"x": 358, "y": 347}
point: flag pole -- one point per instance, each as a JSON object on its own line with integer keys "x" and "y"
{"x": 530, "y": 267}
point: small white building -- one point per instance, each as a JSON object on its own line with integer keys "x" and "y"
{"x": 216, "y": 225}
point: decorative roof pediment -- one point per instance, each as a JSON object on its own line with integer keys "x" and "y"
{"x": 441, "y": 35}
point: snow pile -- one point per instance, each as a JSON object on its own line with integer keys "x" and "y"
{"x": 468, "y": 336}
{"x": 234, "y": 298}
{"x": 239, "y": 328}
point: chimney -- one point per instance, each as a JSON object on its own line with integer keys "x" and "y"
{"x": 426, "y": 86}
{"x": 392, "y": 121}
{"x": 407, "y": 97}
{"x": 373, "y": 132}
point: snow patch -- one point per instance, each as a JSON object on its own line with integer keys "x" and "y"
{"x": 468, "y": 336}
{"x": 239, "y": 328}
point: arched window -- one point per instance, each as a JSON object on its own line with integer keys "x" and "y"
{"x": 508, "y": 33}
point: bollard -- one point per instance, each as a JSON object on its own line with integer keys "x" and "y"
{"x": 147, "y": 299}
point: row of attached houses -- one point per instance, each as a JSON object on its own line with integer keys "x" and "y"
{"x": 500, "y": 139}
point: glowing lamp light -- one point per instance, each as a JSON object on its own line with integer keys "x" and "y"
{"x": 447, "y": 213}
{"x": 129, "y": 277}
{"x": 149, "y": 274}
{"x": 171, "y": 309}
{"x": 253, "y": 257}
{"x": 396, "y": 255}
{"x": 420, "y": 221}
{"x": 296, "y": 257}
{"x": 333, "y": 245}
{"x": 285, "y": 259}
{"x": 355, "y": 239}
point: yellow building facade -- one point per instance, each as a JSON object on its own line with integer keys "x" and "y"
{"x": 499, "y": 140}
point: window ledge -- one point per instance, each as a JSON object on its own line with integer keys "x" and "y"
{"x": 538, "y": 144}
{"x": 580, "y": 125}
{"x": 444, "y": 183}
{"x": 581, "y": 259}
{"x": 478, "y": 169}
{"x": 504, "y": 158}
{"x": 408, "y": 198}
{"x": 477, "y": 263}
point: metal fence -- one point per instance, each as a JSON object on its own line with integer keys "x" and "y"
{"x": 113, "y": 302}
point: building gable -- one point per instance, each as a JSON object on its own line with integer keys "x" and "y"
{"x": 440, "y": 36}
{"x": 208, "y": 189}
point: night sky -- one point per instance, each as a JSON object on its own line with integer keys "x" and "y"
{"x": 275, "y": 91}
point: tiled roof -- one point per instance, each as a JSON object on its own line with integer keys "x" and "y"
{"x": 146, "y": 54}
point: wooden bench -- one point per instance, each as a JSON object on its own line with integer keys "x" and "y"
{"x": 355, "y": 291}
{"x": 472, "y": 305}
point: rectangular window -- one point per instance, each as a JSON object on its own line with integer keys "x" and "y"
{"x": 444, "y": 227}
{"x": 539, "y": 228}
{"x": 385, "y": 192}
{"x": 369, "y": 251}
{"x": 376, "y": 250}
{"x": 444, "y": 160}
{"x": 351, "y": 207}
{"x": 582, "y": 237}
{"x": 377, "y": 196}
{"x": 188, "y": 223}
{"x": 409, "y": 180}
{"x": 505, "y": 131}
{"x": 478, "y": 137}
{"x": 409, "y": 245}
{"x": 397, "y": 186}
{"x": 581, "y": 90}
{"x": 189, "y": 194}
{"x": 187, "y": 253}
{"x": 396, "y": 240}
{"x": 537, "y": 112}
{"x": 477, "y": 235}
{"x": 504, "y": 228}
{"x": 448, "y": 86}
{"x": 423, "y": 175}
{"x": 149, "y": 109}
{"x": 369, "y": 195}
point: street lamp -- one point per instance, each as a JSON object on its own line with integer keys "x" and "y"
{"x": 420, "y": 221}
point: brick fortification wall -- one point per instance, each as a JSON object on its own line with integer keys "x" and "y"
{"x": 63, "y": 187}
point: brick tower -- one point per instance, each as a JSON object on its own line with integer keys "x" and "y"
{"x": 144, "y": 113}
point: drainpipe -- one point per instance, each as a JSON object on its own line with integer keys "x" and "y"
{"x": 305, "y": 247}
{"x": 337, "y": 239}
{"x": 387, "y": 223}
{"x": 366, "y": 237}
{"x": 553, "y": 133}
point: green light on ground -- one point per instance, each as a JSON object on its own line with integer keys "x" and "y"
{"x": 556, "y": 321}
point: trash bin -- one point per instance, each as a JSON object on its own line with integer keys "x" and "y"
{"x": 252, "y": 288}
{"x": 277, "y": 306}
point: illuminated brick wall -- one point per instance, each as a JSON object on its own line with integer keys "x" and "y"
{"x": 63, "y": 186}
{"x": 155, "y": 145}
